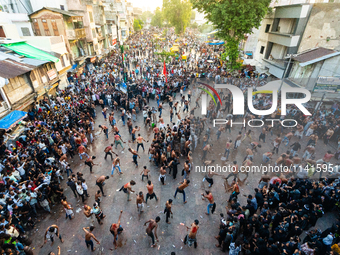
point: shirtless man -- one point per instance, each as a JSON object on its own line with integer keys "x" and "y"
{"x": 296, "y": 162}
{"x": 249, "y": 154}
{"x": 151, "y": 230}
{"x": 140, "y": 142}
{"x": 89, "y": 236}
{"x": 181, "y": 188}
{"x": 118, "y": 140}
{"x": 328, "y": 156}
{"x": 264, "y": 181}
{"x": 133, "y": 133}
{"x": 254, "y": 146}
{"x": 128, "y": 189}
{"x": 211, "y": 200}
{"x": 299, "y": 131}
{"x": 139, "y": 203}
{"x": 82, "y": 151}
{"x": 100, "y": 183}
{"x": 287, "y": 138}
{"x": 134, "y": 155}
{"x": 209, "y": 176}
{"x": 309, "y": 152}
{"x": 145, "y": 173}
{"x": 234, "y": 171}
{"x": 167, "y": 210}
{"x": 88, "y": 214}
{"x": 266, "y": 157}
{"x": 238, "y": 140}
{"x": 246, "y": 166}
{"x": 277, "y": 143}
{"x": 313, "y": 139}
{"x": 108, "y": 151}
{"x": 105, "y": 130}
{"x": 328, "y": 135}
{"x": 116, "y": 229}
{"x": 162, "y": 176}
{"x": 191, "y": 237}
{"x": 151, "y": 194}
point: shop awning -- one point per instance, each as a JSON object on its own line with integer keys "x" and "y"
{"x": 29, "y": 51}
{"x": 11, "y": 119}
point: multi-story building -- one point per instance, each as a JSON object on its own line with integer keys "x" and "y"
{"x": 30, "y": 72}
{"x": 54, "y": 22}
{"x": 13, "y": 25}
{"x": 112, "y": 23}
{"x": 101, "y": 29}
{"x": 137, "y": 12}
{"x": 280, "y": 34}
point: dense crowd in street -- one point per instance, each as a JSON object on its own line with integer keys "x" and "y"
{"x": 123, "y": 87}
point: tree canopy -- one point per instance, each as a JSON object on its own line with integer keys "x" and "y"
{"x": 233, "y": 19}
{"x": 157, "y": 18}
{"x": 137, "y": 24}
{"x": 177, "y": 13}
{"x": 145, "y": 15}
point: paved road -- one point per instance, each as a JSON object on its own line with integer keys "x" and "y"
{"x": 134, "y": 240}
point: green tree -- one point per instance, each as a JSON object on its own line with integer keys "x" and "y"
{"x": 234, "y": 19}
{"x": 157, "y": 19}
{"x": 141, "y": 23}
{"x": 136, "y": 25}
{"x": 177, "y": 13}
{"x": 165, "y": 56}
{"x": 145, "y": 15}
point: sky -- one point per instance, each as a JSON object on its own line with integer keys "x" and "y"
{"x": 151, "y": 4}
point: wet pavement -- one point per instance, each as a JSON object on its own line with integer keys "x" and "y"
{"x": 134, "y": 240}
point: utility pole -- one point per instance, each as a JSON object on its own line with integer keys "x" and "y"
{"x": 285, "y": 72}
{"x": 317, "y": 108}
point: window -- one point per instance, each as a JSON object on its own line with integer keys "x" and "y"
{"x": 46, "y": 29}
{"x": 25, "y": 31}
{"x": 267, "y": 28}
{"x": 94, "y": 33}
{"x": 33, "y": 78}
{"x": 55, "y": 28}
{"x": 123, "y": 33}
{"x": 62, "y": 7}
{"x": 36, "y": 27}
{"x": 62, "y": 61}
{"x": 262, "y": 50}
{"x": 2, "y": 32}
{"x": 91, "y": 16}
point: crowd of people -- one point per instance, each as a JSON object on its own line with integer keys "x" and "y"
{"x": 135, "y": 87}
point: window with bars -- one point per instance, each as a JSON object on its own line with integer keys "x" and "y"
{"x": 55, "y": 28}
{"x": 46, "y": 29}
{"x": 36, "y": 27}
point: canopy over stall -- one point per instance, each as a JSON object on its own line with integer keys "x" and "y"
{"x": 11, "y": 119}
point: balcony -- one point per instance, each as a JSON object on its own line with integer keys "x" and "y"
{"x": 75, "y": 34}
{"x": 287, "y": 40}
{"x": 275, "y": 67}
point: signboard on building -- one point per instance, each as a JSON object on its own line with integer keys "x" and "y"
{"x": 52, "y": 74}
{"x": 114, "y": 41}
{"x": 327, "y": 84}
{"x": 93, "y": 59}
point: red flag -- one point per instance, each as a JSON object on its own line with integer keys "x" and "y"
{"x": 164, "y": 72}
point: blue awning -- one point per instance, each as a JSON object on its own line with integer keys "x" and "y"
{"x": 11, "y": 119}
{"x": 217, "y": 43}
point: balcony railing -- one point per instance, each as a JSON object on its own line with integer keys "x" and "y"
{"x": 74, "y": 34}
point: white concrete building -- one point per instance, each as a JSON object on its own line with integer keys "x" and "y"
{"x": 13, "y": 25}
{"x": 54, "y": 45}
